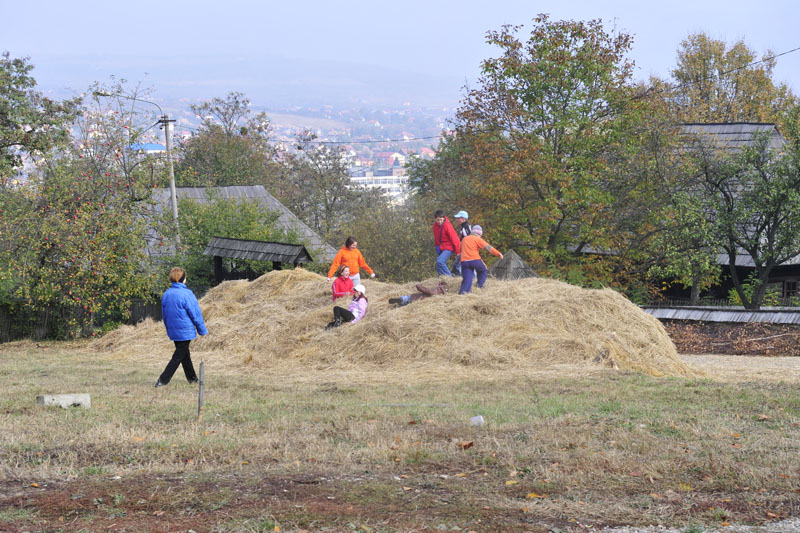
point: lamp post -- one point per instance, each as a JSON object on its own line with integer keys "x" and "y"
{"x": 164, "y": 121}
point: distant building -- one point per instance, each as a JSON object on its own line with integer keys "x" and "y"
{"x": 393, "y": 182}
{"x": 389, "y": 159}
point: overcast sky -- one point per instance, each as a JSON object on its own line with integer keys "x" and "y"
{"x": 199, "y": 46}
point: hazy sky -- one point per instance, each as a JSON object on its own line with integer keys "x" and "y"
{"x": 199, "y": 46}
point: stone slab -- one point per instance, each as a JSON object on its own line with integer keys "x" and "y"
{"x": 65, "y": 400}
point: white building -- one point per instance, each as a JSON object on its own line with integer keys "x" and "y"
{"x": 393, "y": 182}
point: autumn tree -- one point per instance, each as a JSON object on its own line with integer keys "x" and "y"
{"x": 715, "y": 82}
{"x": 231, "y": 147}
{"x": 550, "y": 150}
{"x": 752, "y": 201}
{"x": 30, "y": 123}
{"x": 73, "y": 235}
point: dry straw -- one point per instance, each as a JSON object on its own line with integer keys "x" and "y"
{"x": 276, "y": 322}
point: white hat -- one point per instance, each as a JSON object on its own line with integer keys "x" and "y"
{"x": 360, "y": 288}
{"x": 461, "y": 214}
{"x": 477, "y": 230}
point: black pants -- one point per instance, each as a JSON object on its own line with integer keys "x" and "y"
{"x": 180, "y": 357}
{"x": 344, "y": 314}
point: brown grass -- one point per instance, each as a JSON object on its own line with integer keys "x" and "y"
{"x": 278, "y": 319}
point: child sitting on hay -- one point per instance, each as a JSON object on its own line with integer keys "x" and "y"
{"x": 357, "y": 310}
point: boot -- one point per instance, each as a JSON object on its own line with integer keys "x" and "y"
{"x": 395, "y": 301}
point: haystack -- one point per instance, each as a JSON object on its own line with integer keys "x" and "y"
{"x": 278, "y": 319}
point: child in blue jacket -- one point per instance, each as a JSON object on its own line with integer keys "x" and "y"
{"x": 183, "y": 320}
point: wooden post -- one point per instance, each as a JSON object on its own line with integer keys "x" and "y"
{"x": 200, "y": 389}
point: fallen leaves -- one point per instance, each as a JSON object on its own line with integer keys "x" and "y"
{"x": 533, "y": 495}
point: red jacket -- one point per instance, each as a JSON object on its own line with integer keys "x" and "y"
{"x": 446, "y": 237}
{"x": 342, "y": 286}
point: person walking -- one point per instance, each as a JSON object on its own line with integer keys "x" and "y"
{"x": 342, "y": 285}
{"x": 183, "y": 320}
{"x": 447, "y": 242}
{"x": 356, "y": 310}
{"x": 471, "y": 262}
{"x": 350, "y": 256}
{"x": 462, "y": 229}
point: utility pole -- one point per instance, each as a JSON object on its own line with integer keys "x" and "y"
{"x": 165, "y": 121}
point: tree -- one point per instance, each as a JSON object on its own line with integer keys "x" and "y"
{"x": 752, "y": 199}
{"x": 396, "y": 241}
{"x": 231, "y": 148}
{"x": 317, "y": 188}
{"x": 536, "y": 144}
{"x": 224, "y": 218}
{"x": 72, "y": 237}
{"x": 718, "y": 83}
{"x": 29, "y": 122}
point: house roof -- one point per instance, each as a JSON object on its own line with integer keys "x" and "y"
{"x": 323, "y": 252}
{"x": 734, "y": 135}
{"x": 258, "y": 250}
{"x": 512, "y": 266}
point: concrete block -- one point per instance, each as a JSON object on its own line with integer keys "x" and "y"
{"x": 65, "y": 400}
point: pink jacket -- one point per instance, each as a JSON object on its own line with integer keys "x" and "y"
{"x": 359, "y": 308}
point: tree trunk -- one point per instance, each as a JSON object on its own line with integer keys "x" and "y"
{"x": 694, "y": 296}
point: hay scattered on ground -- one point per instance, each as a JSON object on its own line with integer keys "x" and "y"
{"x": 278, "y": 320}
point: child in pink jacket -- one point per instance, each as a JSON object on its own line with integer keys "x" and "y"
{"x": 356, "y": 310}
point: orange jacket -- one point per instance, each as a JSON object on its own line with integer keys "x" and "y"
{"x": 471, "y": 247}
{"x": 350, "y": 258}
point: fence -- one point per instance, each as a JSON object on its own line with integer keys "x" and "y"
{"x": 714, "y": 302}
{"x": 18, "y": 322}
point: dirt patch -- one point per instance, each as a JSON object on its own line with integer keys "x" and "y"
{"x": 734, "y": 339}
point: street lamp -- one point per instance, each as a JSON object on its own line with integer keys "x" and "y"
{"x": 164, "y": 121}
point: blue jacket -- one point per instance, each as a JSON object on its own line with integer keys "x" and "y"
{"x": 181, "y": 313}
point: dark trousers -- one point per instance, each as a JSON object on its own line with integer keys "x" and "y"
{"x": 180, "y": 357}
{"x": 468, "y": 271}
{"x": 344, "y": 314}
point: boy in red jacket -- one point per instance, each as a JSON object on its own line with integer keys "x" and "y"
{"x": 447, "y": 242}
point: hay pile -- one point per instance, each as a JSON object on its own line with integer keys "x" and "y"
{"x": 278, "y": 320}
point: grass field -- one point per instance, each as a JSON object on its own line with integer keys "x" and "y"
{"x": 560, "y": 450}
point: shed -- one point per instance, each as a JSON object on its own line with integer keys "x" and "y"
{"x": 277, "y": 252}
{"x": 512, "y": 266}
{"x": 287, "y": 221}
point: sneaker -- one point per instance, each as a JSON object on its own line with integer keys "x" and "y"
{"x": 159, "y": 384}
{"x": 395, "y": 300}
{"x": 193, "y": 381}
{"x": 337, "y": 322}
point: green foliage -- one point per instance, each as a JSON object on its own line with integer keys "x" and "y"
{"x": 749, "y": 288}
{"x": 29, "y": 122}
{"x": 231, "y": 148}
{"x": 72, "y": 237}
{"x": 753, "y": 199}
{"x": 397, "y": 242}
{"x": 720, "y": 83}
{"x": 75, "y": 243}
{"x": 223, "y": 218}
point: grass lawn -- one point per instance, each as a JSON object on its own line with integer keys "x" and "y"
{"x": 560, "y": 450}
